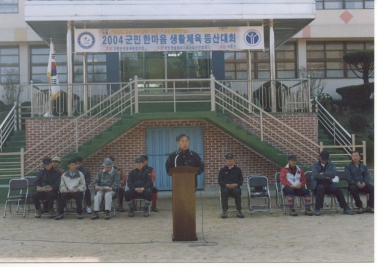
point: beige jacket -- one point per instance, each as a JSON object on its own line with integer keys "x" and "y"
{"x": 68, "y": 182}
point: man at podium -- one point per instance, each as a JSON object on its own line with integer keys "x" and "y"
{"x": 184, "y": 157}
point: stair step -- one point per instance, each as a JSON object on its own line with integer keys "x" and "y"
{"x": 17, "y": 138}
{"x": 19, "y": 133}
{"x": 20, "y": 143}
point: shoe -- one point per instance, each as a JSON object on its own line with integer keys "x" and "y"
{"x": 239, "y": 214}
{"x": 95, "y": 215}
{"x": 369, "y": 209}
{"x": 308, "y": 212}
{"x": 59, "y": 217}
{"x": 38, "y": 213}
{"x": 317, "y": 212}
{"x": 224, "y": 214}
{"x": 146, "y": 211}
{"x": 360, "y": 210}
{"x": 131, "y": 212}
{"x": 107, "y": 215}
{"x": 51, "y": 214}
{"x": 348, "y": 211}
{"x": 79, "y": 216}
{"x": 154, "y": 209}
{"x": 88, "y": 210}
{"x": 293, "y": 212}
{"x": 121, "y": 209}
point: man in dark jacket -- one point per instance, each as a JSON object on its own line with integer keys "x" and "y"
{"x": 323, "y": 171}
{"x": 230, "y": 180}
{"x": 139, "y": 183}
{"x": 88, "y": 180}
{"x": 46, "y": 188}
{"x": 153, "y": 176}
{"x": 358, "y": 180}
{"x": 184, "y": 157}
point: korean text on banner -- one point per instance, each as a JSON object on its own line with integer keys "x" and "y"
{"x": 52, "y": 73}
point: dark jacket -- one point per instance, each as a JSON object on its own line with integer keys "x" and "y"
{"x": 230, "y": 176}
{"x": 51, "y": 178}
{"x": 316, "y": 170}
{"x": 354, "y": 174}
{"x": 137, "y": 179}
{"x": 87, "y": 176}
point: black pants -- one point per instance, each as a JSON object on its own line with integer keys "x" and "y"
{"x": 328, "y": 189}
{"x": 48, "y": 196}
{"x": 88, "y": 196}
{"x": 129, "y": 195}
{"x": 121, "y": 195}
{"x": 296, "y": 192}
{"x": 368, "y": 189}
{"x": 64, "y": 197}
{"x": 226, "y": 193}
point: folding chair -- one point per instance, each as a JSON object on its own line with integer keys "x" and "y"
{"x": 140, "y": 207}
{"x": 342, "y": 184}
{"x": 31, "y": 181}
{"x": 280, "y": 195}
{"x": 257, "y": 187}
{"x": 15, "y": 186}
{"x": 308, "y": 176}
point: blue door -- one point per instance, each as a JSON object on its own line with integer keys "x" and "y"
{"x": 161, "y": 142}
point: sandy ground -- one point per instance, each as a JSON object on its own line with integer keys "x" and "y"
{"x": 259, "y": 238}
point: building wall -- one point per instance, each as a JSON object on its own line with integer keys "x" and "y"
{"x": 216, "y": 144}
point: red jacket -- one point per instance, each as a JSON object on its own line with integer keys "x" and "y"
{"x": 287, "y": 178}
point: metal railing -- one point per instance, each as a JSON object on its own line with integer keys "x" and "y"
{"x": 11, "y": 166}
{"x": 12, "y": 122}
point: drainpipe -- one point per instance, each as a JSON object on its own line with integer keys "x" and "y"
{"x": 272, "y": 66}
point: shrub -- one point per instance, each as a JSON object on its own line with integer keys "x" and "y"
{"x": 358, "y": 123}
{"x": 357, "y": 96}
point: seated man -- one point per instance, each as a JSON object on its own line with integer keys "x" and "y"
{"x": 139, "y": 183}
{"x": 154, "y": 189}
{"x": 293, "y": 181}
{"x": 230, "y": 179}
{"x": 106, "y": 185}
{"x": 123, "y": 180}
{"x": 323, "y": 171}
{"x": 46, "y": 188}
{"x": 88, "y": 180}
{"x": 358, "y": 180}
{"x": 72, "y": 185}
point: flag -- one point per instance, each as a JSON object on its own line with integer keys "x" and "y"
{"x": 52, "y": 74}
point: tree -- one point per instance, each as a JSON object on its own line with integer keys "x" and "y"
{"x": 361, "y": 63}
{"x": 12, "y": 87}
{"x": 317, "y": 83}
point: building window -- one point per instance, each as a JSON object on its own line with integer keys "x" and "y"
{"x": 96, "y": 67}
{"x": 9, "y": 64}
{"x": 8, "y": 6}
{"x": 326, "y": 58}
{"x": 286, "y": 66}
{"x": 344, "y": 4}
{"x": 39, "y": 60}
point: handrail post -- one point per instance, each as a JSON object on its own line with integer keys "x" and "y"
{"x": 77, "y": 136}
{"x": 250, "y": 94}
{"x": 353, "y": 142}
{"x": 174, "y": 103}
{"x": 261, "y": 125}
{"x": 320, "y": 146}
{"x": 136, "y": 94}
{"x": 31, "y": 99}
{"x": 213, "y": 100}
{"x": 365, "y": 153}
{"x": 15, "y": 117}
{"x": 22, "y": 158}
{"x": 334, "y": 132}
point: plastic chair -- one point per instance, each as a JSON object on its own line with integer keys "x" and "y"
{"x": 257, "y": 187}
{"x": 308, "y": 176}
{"x": 15, "y": 187}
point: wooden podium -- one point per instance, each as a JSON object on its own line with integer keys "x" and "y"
{"x": 184, "y": 203}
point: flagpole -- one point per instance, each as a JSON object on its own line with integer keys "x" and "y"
{"x": 51, "y": 101}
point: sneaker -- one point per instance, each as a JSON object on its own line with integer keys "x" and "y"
{"x": 360, "y": 210}
{"x": 121, "y": 209}
{"x": 131, "y": 212}
{"x": 154, "y": 209}
{"x": 79, "y": 216}
{"x": 107, "y": 215}
{"x": 59, "y": 217}
{"x": 308, "y": 212}
{"x": 239, "y": 214}
{"x": 224, "y": 214}
{"x": 317, "y": 212}
{"x": 146, "y": 211}
{"x": 51, "y": 214}
{"x": 348, "y": 211}
{"x": 95, "y": 215}
{"x": 369, "y": 209}
{"x": 293, "y": 212}
{"x": 88, "y": 210}
{"x": 38, "y": 213}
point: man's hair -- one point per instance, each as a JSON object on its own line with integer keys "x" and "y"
{"x": 179, "y": 137}
{"x": 78, "y": 159}
{"x": 72, "y": 161}
{"x": 355, "y": 151}
{"x": 144, "y": 157}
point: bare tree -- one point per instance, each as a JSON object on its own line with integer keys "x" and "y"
{"x": 317, "y": 83}
{"x": 12, "y": 88}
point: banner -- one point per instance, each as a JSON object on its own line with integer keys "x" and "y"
{"x": 169, "y": 39}
{"x": 52, "y": 73}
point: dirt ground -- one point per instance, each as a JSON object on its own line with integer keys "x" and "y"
{"x": 258, "y": 238}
